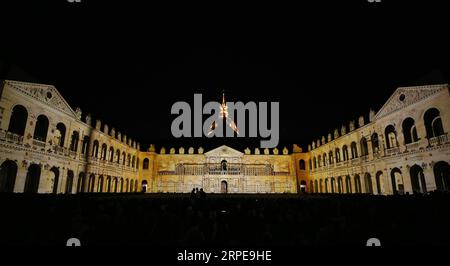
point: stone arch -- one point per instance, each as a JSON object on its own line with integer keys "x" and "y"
{"x": 81, "y": 185}
{"x": 364, "y": 147}
{"x": 348, "y": 184}
{"x": 357, "y": 182}
{"x": 345, "y": 153}
{"x": 396, "y": 187}
{"x": 62, "y": 130}
{"x": 302, "y": 165}
{"x": 368, "y": 183}
{"x": 378, "y": 177}
{"x": 75, "y": 138}
{"x": 433, "y": 123}
{"x": 95, "y": 148}
{"x": 145, "y": 164}
{"x": 8, "y": 174}
{"x": 442, "y": 175}
{"x": 418, "y": 182}
{"x": 375, "y": 142}
{"x": 409, "y": 131}
{"x": 100, "y": 183}
{"x": 340, "y": 185}
{"x": 69, "y": 182}
{"x": 104, "y": 151}
{"x": 32, "y": 179}
{"x": 391, "y": 137}
{"x": 55, "y": 172}
{"x": 91, "y": 183}
{"x": 111, "y": 154}
{"x": 41, "y": 128}
{"x": 333, "y": 185}
{"x": 354, "y": 150}
{"x": 18, "y": 120}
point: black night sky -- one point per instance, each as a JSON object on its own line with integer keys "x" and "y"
{"x": 127, "y": 62}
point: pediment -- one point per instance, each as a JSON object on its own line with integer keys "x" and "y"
{"x": 46, "y": 94}
{"x": 406, "y": 96}
{"x": 224, "y": 151}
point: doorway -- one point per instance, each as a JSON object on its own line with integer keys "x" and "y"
{"x": 224, "y": 187}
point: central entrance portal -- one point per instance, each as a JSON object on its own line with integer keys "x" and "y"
{"x": 224, "y": 187}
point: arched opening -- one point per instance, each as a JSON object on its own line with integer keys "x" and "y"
{"x": 315, "y": 162}
{"x": 303, "y": 186}
{"x": 121, "y": 185}
{"x": 127, "y": 182}
{"x": 330, "y": 158}
{"x": 338, "y": 155}
{"x": 124, "y": 158}
{"x": 41, "y": 128}
{"x": 8, "y": 173}
{"x": 100, "y": 184}
{"x": 378, "y": 177}
{"x": 55, "y": 179}
{"x": 133, "y": 160}
{"x": 397, "y": 181}
{"x": 340, "y": 185}
{"x": 364, "y": 147}
{"x": 301, "y": 164}
{"x": 81, "y": 185}
{"x": 357, "y": 181}
{"x": 375, "y": 143}
{"x": 74, "y": 141}
{"x": 135, "y": 186}
{"x": 433, "y": 123}
{"x": 69, "y": 182}
{"x": 145, "y": 163}
{"x": 85, "y": 147}
{"x": 108, "y": 184}
{"x": 62, "y": 134}
{"x": 111, "y": 154}
{"x": 18, "y": 121}
{"x": 144, "y": 186}
{"x": 131, "y": 185}
{"x": 104, "y": 151}
{"x": 316, "y": 186}
{"x": 418, "y": 183}
{"x": 95, "y": 147}
{"x": 354, "y": 150}
{"x": 32, "y": 179}
{"x": 368, "y": 183}
{"x": 326, "y": 185}
{"x": 115, "y": 184}
{"x": 223, "y": 187}
{"x": 319, "y": 161}
{"x": 391, "y": 137}
{"x": 129, "y": 160}
{"x": 118, "y": 156}
{"x": 345, "y": 153}
{"x": 324, "y": 158}
{"x": 442, "y": 176}
{"x": 333, "y": 185}
{"x": 348, "y": 184}
{"x": 91, "y": 183}
{"x": 409, "y": 131}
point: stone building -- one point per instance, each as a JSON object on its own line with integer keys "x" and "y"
{"x": 47, "y": 147}
{"x": 404, "y": 148}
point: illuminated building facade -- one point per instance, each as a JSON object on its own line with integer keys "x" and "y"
{"x": 47, "y": 147}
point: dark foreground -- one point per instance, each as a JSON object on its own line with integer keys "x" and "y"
{"x": 224, "y": 220}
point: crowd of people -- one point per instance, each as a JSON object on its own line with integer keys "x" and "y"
{"x": 224, "y": 220}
